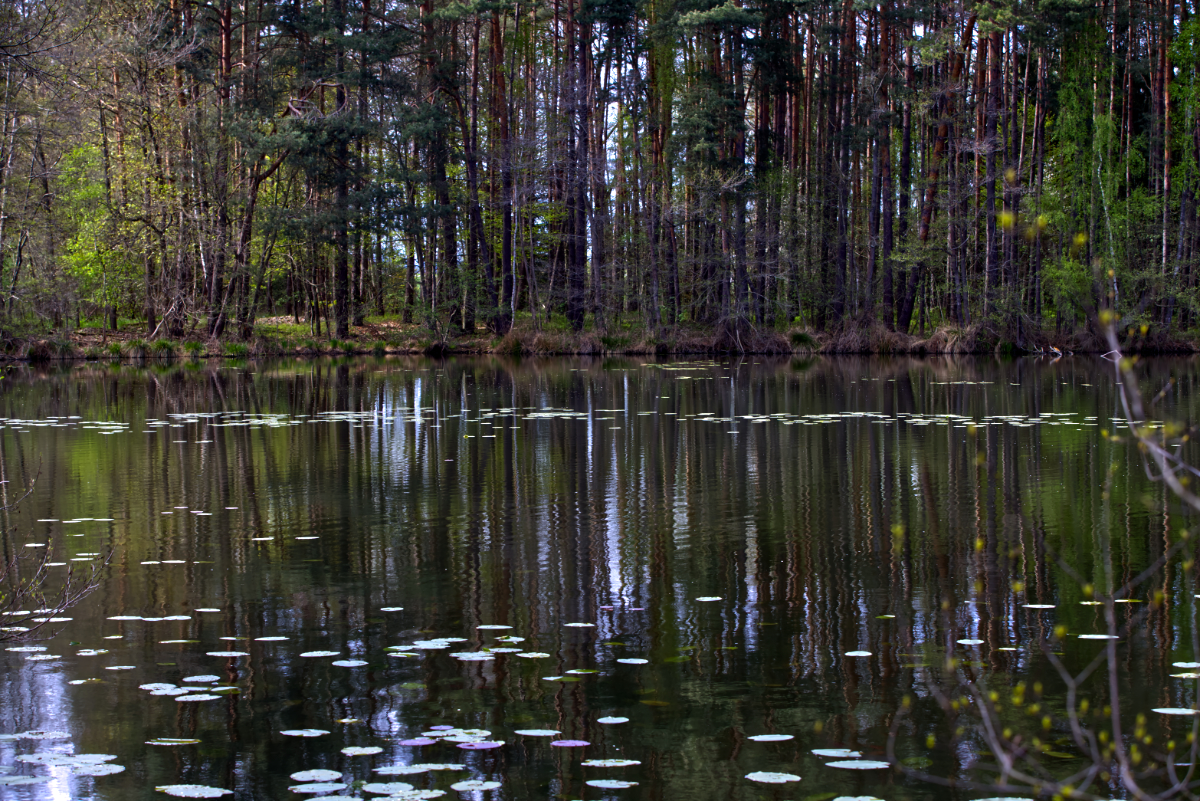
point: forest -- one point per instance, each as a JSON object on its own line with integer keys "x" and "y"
{"x": 1003, "y": 174}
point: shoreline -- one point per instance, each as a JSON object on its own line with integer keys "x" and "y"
{"x": 273, "y": 341}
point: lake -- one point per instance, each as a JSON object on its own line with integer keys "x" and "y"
{"x": 625, "y": 559}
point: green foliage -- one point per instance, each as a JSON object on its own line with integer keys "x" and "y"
{"x": 237, "y": 350}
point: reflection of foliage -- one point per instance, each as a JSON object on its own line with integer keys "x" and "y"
{"x": 31, "y": 596}
{"x": 1091, "y": 736}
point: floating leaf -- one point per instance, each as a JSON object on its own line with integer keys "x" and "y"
{"x": 709, "y": 598}
{"x": 172, "y": 741}
{"x": 766, "y": 777}
{"x": 1174, "y": 710}
{"x": 970, "y": 642}
{"x": 407, "y": 770}
{"x": 843, "y": 753}
{"x": 610, "y": 784}
{"x": 232, "y": 654}
{"x": 198, "y": 697}
{"x": 391, "y": 609}
{"x": 362, "y": 750}
{"x": 612, "y": 720}
{"x": 474, "y": 784}
{"x": 580, "y": 625}
{"x": 609, "y": 763}
{"x": 771, "y": 738}
{"x": 569, "y": 743}
{"x": 481, "y": 745}
{"x": 386, "y": 788}
{"x": 538, "y": 732}
{"x": 418, "y": 741}
{"x": 1098, "y": 637}
{"x": 858, "y": 764}
{"x": 348, "y": 663}
{"x": 303, "y": 732}
{"x": 317, "y": 775}
{"x": 858, "y": 653}
{"x": 315, "y": 654}
{"x": 634, "y": 661}
{"x": 318, "y": 787}
{"x": 192, "y": 791}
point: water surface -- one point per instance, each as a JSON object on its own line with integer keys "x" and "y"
{"x": 832, "y": 506}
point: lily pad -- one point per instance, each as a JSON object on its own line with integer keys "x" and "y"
{"x": 538, "y": 732}
{"x": 612, "y": 720}
{"x": 317, "y": 775}
{"x": 386, "y": 788}
{"x": 318, "y": 787}
{"x": 1174, "y": 710}
{"x": 634, "y": 661}
{"x": 570, "y": 743}
{"x": 858, "y": 764}
{"x": 610, "y": 763}
{"x": 303, "y": 732}
{"x": 842, "y": 753}
{"x": 858, "y": 653}
{"x": 193, "y": 791}
{"x": 770, "y": 738}
{"x": 610, "y": 784}
{"x": 768, "y": 777}
{"x": 362, "y": 750}
{"x": 474, "y": 784}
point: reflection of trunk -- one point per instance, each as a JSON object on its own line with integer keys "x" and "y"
{"x": 908, "y": 303}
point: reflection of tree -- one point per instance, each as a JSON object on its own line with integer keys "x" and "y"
{"x": 443, "y": 497}
{"x": 33, "y": 590}
{"x": 1092, "y": 735}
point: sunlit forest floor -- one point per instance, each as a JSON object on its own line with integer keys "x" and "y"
{"x": 285, "y": 336}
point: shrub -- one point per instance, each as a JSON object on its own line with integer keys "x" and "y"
{"x": 237, "y": 350}
{"x": 193, "y": 348}
{"x": 163, "y": 348}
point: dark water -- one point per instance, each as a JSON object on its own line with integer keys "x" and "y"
{"x": 888, "y": 506}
